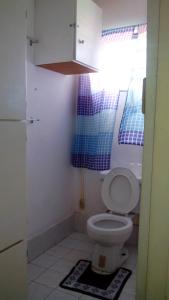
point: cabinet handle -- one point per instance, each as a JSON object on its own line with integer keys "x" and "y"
{"x": 81, "y": 41}
{"x": 74, "y": 25}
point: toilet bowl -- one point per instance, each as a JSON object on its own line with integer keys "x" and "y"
{"x": 120, "y": 194}
{"x": 109, "y": 229}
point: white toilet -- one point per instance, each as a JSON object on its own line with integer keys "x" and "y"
{"x": 120, "y": 194}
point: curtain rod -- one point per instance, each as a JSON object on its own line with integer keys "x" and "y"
{"x": 129, "y": 27}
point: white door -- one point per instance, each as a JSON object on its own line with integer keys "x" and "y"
{"x": 13, "y": 273}
{"x": 88, "y": 35}
{"x": 12, "y": 59}
{"x": 12, "y": 183}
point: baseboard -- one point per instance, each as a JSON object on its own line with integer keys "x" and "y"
{"x": 49, "y": 238}
{"x": 80, "y": 221}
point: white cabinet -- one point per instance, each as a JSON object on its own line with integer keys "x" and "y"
{"x": 13, "y": 273}
{"x": 12, "y": 59}
{"x": 69, "y": 34}
{"x": 89, "y": 18}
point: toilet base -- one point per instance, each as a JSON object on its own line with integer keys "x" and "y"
{"x": 107, "y": 260}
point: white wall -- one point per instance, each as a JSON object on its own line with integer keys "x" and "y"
{"x": 115, "y": 14}
{"x": 50, "y": 98}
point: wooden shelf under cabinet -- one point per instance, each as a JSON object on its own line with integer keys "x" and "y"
{"x": 69, "y": 68}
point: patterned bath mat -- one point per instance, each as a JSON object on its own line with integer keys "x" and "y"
{"x": 83, "y": 280}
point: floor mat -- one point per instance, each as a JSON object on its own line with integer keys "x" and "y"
{"x": 83, "y": 280}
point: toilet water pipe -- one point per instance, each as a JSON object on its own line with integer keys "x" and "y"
{"x": 82, "y": 190}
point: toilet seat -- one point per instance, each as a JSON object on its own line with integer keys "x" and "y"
{"x": 109, "y": 223}
{"x": 120, "y": 191}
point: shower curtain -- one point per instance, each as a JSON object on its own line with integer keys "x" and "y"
{"x": 132, "y": 123}
{"x": 98, "y": 99}
{"x": 96, "y": 111}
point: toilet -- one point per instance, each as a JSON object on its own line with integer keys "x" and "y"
{"x": 110, "y": 230}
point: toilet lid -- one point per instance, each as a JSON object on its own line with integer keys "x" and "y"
{"x": 120, "y": 191}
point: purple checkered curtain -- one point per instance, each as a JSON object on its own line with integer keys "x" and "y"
{"x": 132, "y": 123}
{"x": 98, "y": 101}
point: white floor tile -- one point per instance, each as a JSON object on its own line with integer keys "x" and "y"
{"x": 34, "y": 271}
{"x": 61, "y": 296}
{"x": 48, "y": 270}
{"x": 85, "y": 246}
{"x": 59, "y": 252}
{"x": 69, "y": 292}
{"x": 45, "y": 261}
{"x": 63, "y": 266}
{"x": 84, "y": 297}
{"x": 80, "y": 236}
{"x": 68, "y": 243}
{"x": 50, "y": 278}
{"x": 130, "y": 286}
{"x": 38, "y": 292}
{"x": 76, "y": 255}
{"x": 125, "y": 296}
{"x": 77, "y": 244}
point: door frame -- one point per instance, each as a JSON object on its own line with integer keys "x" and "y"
{"x": 153, "y": 264}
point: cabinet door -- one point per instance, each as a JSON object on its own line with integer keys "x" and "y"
{"x": 88, "y": 35}
{"x": 12, "y": 59}
{"x": 12, "y": 183}
{"x": 53, "y": 19}
{"x": 13, "y": 273}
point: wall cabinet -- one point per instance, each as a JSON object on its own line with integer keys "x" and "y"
{"x": 69, "y": 34}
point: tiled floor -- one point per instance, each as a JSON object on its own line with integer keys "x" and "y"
{"x": 47, "y": 271}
